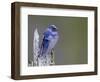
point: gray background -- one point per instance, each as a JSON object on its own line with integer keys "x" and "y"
{"x": 72, "y": 45}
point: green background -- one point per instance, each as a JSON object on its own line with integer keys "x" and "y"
{"x": 72, "y": 44}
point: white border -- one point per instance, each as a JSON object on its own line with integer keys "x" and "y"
{"x": 25, "y": 70}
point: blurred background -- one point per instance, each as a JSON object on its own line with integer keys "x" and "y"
{"x": 72, "y": 44}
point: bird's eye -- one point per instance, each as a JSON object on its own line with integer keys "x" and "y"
{"x": 54, "y": 29}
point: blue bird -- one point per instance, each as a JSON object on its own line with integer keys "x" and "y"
{"x": 50, "y": 38}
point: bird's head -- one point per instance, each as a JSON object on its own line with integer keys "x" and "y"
{"x": 53, "y": 28}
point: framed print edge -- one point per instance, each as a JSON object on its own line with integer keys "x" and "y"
{"x": 96, "y": 40}
{"x": 15, "y": 40}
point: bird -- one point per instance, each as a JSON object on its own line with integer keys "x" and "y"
{"x": 50, "y": 38}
